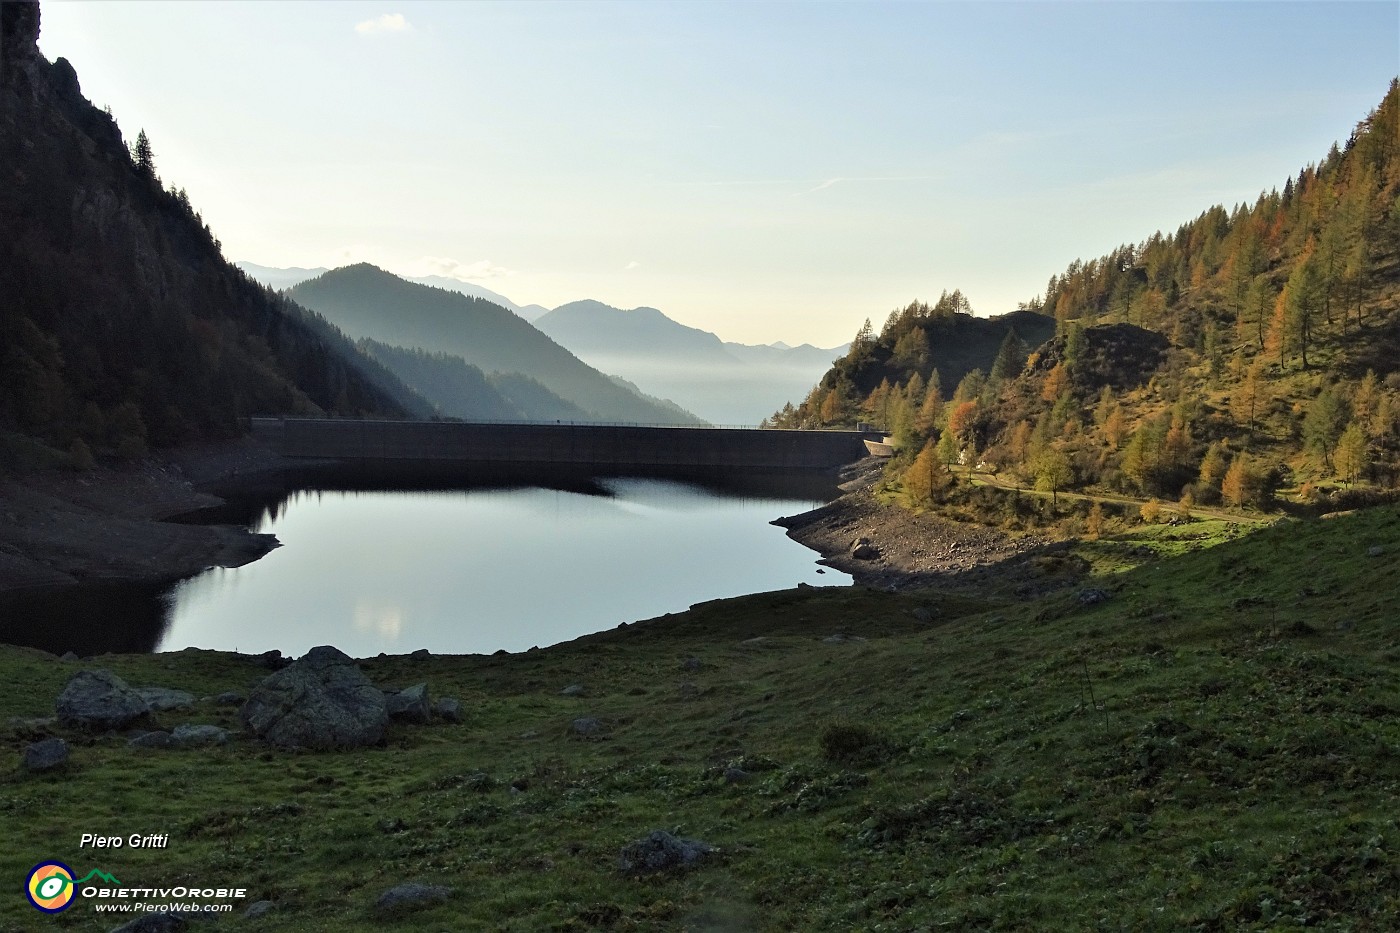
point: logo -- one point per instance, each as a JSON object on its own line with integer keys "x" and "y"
{"x": 51, "y": 887}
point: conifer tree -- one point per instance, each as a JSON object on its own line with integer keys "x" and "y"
{"x": 142, "y": 155}
{"x": 927, "y": 477}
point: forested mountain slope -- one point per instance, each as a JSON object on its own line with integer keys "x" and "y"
{"x": 121, "y": 325}
{"x": 1254, "y": 353}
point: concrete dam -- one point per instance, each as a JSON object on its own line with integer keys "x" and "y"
{"x": 608, "y": 448}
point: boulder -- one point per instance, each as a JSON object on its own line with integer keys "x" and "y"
{"x": 409, "y": 704}
{"x": 46, "y": 755}
{"x": 258, "y": 909}
{"x": 188, "y": 736}
{"x": 411, "y": 895}
{"x": 100, "y": 700}
{"x": 448, "y": 708}
{"x": 163, "y": 922}
{"x": 586, "y": 726}
{"x": 864, "y": 550}
{"x": 321, "y": 701}
{"x": 229, "y": 699}
{"x": 1092, "y": 596}
{"x": 573, "y": 690}
{"x": 159, "y": 739}
{"x": 661, "y": 851}
{"x": 161, "y": 698}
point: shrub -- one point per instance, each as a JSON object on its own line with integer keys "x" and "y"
{"x": 851, "y": 743}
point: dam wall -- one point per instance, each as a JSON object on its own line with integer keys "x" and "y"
{"x": 609, "y": 447}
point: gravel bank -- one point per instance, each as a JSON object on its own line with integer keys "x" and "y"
{"x": 912, "y": 551}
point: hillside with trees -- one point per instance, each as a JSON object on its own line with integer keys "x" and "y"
{"x": 369, "y": 303}
{"x": 457, "y": 389}
{"x": 122, "y": 328}
{"x": 1250, "y": 359}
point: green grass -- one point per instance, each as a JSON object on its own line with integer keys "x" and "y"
{"x": 1216, "y": 747}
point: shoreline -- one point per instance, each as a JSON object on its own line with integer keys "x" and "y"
{"x": 110, "y": 525}
{"x": 910, "y": 551}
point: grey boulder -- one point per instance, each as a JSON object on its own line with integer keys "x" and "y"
{"x": 409, "y": 704}
{"x": 188, "y": 736}
{"x": 161, "y": 698}
{"x": 100, "y": 700}
{"x": 158, "y": 739}
{"x": 411, "y": 895}
{"x": 661, "y": 851}
{"x": 46, "y": 755}
{"x": 321, "y": 701}
{"x": 448, "y": 709}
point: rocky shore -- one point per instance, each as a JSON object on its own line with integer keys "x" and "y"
{"x": 60, "y": 529}
{"x": 888, "y": 547}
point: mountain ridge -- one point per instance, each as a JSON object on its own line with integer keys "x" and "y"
{"x": 368, "y": 302}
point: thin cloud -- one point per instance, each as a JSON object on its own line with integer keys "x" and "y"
{"x": 463, "y": 271}
{"x": 631, "y": 265}
{"x": 809, "y": 185}
{"x": 389, "y": 22}
{"x": 841, "y": 178}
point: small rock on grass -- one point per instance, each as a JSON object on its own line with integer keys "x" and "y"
{"x": 661, "y": 851}
{"x": 411, "y": 895}
{"x": 573, "y": 690}
{"x": 163, "y": 698}
{"x": 448, "y": 709}
{"x": 46, "y": 755}
{"x": 164, "y": 922}
{"x": 157, "y": 739}
{"x": 410, "y": 704}
{"x": 258, "y": 909}
{"x": 587, "y": 726}
{"x": 188, "y": 736}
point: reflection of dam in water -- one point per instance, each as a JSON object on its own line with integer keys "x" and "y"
{"x": 614, "y": 449}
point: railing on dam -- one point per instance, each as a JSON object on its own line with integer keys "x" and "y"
{"x": 613, "y": 446}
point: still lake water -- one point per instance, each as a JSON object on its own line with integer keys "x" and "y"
{"x": 477, "y": 570}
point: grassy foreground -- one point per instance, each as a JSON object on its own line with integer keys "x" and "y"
{"x": 1215, "y": 747}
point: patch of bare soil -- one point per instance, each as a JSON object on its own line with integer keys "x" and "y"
{"x": 901, "y": 550}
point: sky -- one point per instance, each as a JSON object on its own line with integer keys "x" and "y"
{"x": 764, "y": 170}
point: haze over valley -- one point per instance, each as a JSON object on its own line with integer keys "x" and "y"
{"x": 386, "y": 601}
{"x": 721, "y": 382}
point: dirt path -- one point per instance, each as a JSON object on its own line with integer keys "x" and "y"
{"x": 980, "y": 478}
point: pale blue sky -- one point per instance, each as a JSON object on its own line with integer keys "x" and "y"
{"x": 768, "y": 171}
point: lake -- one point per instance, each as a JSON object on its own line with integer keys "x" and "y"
{"x": 460, "y": 571}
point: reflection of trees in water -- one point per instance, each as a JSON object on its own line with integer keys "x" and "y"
{"x": 134, "y": 617}
{"x": 258, "y": 509}
{"x": 122, "y": 618}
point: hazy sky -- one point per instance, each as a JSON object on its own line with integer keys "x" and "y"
{"x": 768, "y": 171}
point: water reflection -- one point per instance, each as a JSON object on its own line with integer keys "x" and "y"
{"x": 455, "y": 570}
